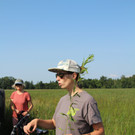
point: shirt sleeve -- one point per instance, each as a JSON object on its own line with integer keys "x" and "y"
{"x": 12, "y": 95}
{"x": 28, "y": 97}
{"x": 56, "y": 110}
{"x": 92, "y": 114}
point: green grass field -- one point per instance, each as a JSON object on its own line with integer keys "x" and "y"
{"x": 117, "y": 108}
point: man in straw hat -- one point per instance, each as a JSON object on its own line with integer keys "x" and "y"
{"x": 77, "y": 112}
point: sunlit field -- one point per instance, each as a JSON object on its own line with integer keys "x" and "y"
{"x": 117, "y": 108}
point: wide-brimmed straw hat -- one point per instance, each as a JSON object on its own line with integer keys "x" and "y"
{"x": 18, "y": 81}
{"x": 66, "y": 65}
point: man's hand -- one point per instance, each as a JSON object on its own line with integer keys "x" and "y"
{"x": 32, "y": 124}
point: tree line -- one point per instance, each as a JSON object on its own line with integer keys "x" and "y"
{"x": 103, "y": 82}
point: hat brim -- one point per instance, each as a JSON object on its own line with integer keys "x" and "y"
{"x": 19, "y": 83}
{"x": 13, "y": 86}
{"x": 55, "y": 70}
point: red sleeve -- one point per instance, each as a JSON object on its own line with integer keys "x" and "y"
{"x": 12, "y": 95}
{"x": 28, "y": 97}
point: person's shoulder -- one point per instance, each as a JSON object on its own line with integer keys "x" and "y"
{"x": 87, "y": 97}
{"x": 13, "y": 93}
{"x": 26, "y": 93}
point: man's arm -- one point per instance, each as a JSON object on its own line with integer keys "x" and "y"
{"x": 46, "y": 124}
{"x": 98, "y": 129}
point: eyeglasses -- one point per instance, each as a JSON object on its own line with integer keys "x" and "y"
{"x": 18, "y": 85}
{"x": 61, "y": 75}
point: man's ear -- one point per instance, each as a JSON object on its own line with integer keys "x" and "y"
{"x": 74, "y": 75}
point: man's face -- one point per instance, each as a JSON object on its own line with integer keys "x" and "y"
{"x": 64, "y": 79}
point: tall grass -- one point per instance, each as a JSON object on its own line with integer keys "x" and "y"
{"x": 117, "y": 108}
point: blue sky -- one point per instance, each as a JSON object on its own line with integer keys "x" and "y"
{"x": 35, "y": 35}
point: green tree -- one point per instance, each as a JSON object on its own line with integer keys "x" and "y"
{"x": 133, "y": 81}
{"x": 39, "y": 85}
{"x": 6, "y": 82}
{"x": 109, "y": 83}
{"x": 103, "y": 81}
{"x": 29, "y": 85}
{"x": 123, "y": 82}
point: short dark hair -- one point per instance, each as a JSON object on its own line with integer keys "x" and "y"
{"x": 78, "y": 75}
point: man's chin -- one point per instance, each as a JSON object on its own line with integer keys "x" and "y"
{"x": 62, "y": 87}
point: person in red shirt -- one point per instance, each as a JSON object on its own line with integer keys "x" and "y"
{"x": 21, "y": 102}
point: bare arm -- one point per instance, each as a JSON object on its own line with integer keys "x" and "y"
{"x": 29, "y": 109}
{"x": 46, "y": 124}
{"x": 30, "y": 106}
{"x": 98, "y": 129}
{"x": 13, "y": 106}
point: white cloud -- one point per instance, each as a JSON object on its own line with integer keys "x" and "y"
{"x": 127, "y": 76}
{"x": 113, "y": 76}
